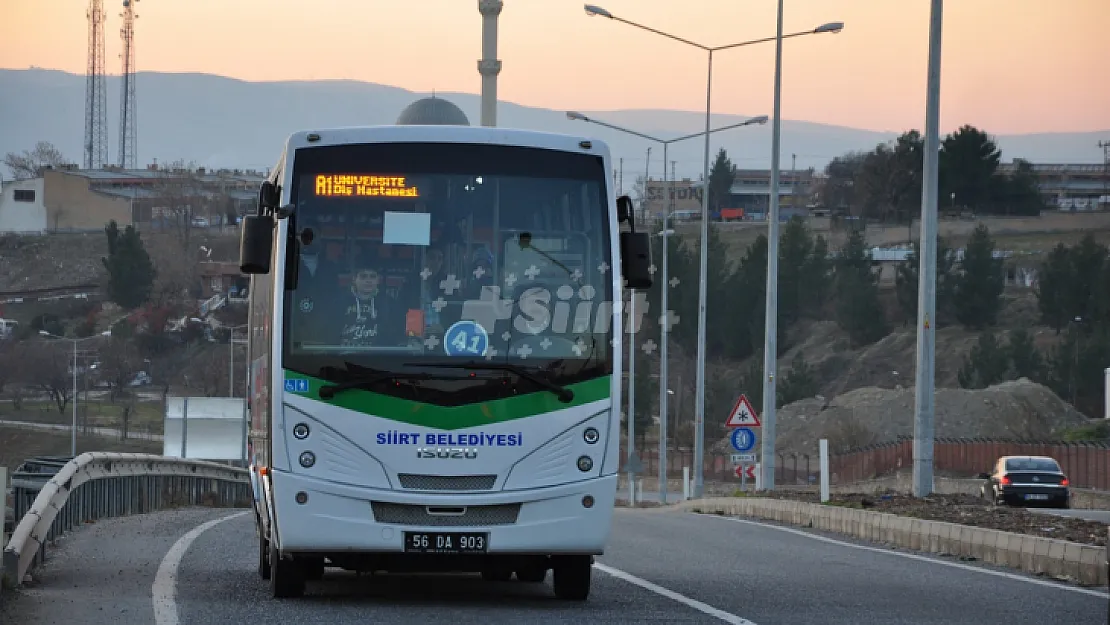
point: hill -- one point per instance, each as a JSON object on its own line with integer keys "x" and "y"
{"x": 223, "y": 122}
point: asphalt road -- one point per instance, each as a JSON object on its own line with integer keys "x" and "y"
{"x": 661, "y": 567}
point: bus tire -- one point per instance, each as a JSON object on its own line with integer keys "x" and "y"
{"x": 572, "y": 577}
{"x": 532, "y": 572}
{"x": 286, "y": 576}
{"x": 263, "y": 556}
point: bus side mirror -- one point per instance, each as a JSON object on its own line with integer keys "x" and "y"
{"x": 256, "y": 244}
{"x": 624, "y": 210}
{"x": 636, "y": 259}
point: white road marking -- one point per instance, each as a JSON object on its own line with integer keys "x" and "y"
{"x": 913, "y": 556}
{"x": 164, "y": 591}
{"x": 674, "y": 596}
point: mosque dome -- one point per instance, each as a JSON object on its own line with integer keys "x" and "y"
{"x": 432, "y": 111}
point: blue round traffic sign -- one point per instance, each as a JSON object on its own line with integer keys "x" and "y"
{"x": 465, "y": 338}
{"x": 743, "y": 439}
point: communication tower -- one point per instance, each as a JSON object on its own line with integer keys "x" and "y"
{"x": 128, "y": 126}
{"x": 96, "y": 113}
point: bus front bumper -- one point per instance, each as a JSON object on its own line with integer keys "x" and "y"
{"x": 337, "y": 518}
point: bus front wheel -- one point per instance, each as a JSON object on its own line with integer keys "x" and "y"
{"x": 571, "y": 577}
{"x": 286, "y": 576}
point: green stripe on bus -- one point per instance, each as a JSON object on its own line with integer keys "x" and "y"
{"x": 456, "y": 417}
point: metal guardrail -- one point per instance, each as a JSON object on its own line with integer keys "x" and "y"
{"x": 52, "y": 495}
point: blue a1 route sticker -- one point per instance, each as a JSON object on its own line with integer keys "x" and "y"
{"x": 466, "y": 338}
{"x": 293, "y": 385}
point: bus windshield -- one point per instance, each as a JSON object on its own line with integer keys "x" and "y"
{"x": 409, "y": 253}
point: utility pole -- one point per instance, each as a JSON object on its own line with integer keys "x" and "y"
{"x": 923, "y": 425}
{"x": 1105, "y": 145}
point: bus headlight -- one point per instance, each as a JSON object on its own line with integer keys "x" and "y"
{"x": 591, "y": 435}
{"x": 300, "y": 431}
{"x": 585, "y": 463}
{"x": 307, "y": 459}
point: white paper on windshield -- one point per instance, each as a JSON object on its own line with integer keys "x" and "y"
{"x": 407, "y": 228}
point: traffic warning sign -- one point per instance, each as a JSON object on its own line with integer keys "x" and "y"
{"x": 742, "y": 415}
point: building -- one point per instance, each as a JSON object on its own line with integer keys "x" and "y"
{"x": 749, "y": 197}
{"x": 22, "y": 210}
{"x": 1069, "y": 187}
{"x": 79, "y": 200}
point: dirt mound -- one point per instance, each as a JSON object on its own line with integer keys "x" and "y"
{"x": 1014, "y": 409}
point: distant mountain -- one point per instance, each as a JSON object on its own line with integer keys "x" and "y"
{"x": 223, "y": 122}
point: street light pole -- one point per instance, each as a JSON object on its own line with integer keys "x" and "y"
{"x": 73, "y": 431}
{"x": 923, "y": 433}
{"x": 664, "y": 329}
{"x": 73, "y": 435}
{"x": 699, "y": 414}
{"x": 770, "y": 325}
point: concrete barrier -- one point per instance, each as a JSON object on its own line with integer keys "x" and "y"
{"x": 1059, "y": 559}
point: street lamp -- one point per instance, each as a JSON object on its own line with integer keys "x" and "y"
{"x": 699, "y": 412}
{"x": 666, "y": 320}
{"x": 73, "y": 433}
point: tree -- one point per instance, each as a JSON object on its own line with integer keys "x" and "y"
{"x": 32, "y": 164}
{"x": 979, "y": 282}
{"x": 906, "y": 283}
{"x": 858, "y": 310}
{"x": 207, "y": 374}
{"x": 889, "y": 181}
{"x": 1053, "y": 287}
{"x": 798, "y": 383}
{"x": 1088, "y": 261}
{"x": 839, "y": 191}
{"x": 794, "y": 253}
{"x": 1076, "y": 366}
{"x": 1027, "y": 361}
{"x": 968, "y": 161}
{"x": 721, "y": 177}
{"x": 130, "y": 271}
{"x": 816, "y": 279}
{"x": 119, "y": 361}
{"x": 1016, "y": 193}
{"x": 46, "y": 368}
{"x": 987, "y": 364}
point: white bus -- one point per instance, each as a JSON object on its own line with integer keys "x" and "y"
{"x": 435, "y": 340}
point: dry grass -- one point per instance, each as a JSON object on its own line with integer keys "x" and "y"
{"x": 18, "y": 444}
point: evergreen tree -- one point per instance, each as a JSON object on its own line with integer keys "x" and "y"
{"x": 795, "y": 248}
{"x": 979, "y": 282}
{"x": 987, "y": 364}
{"x": 858, "y": 310}
{"x": 816, "y": 279}
{"x": 1053, "y": 287}
{"x": 906, "y": 283}
{"x": 1027, "y": 361}
{"x": 1088, "y": 259}
{"x": 798, "y": 383}
{"x": 130, "y": 270}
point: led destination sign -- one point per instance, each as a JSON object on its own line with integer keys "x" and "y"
{"x": 359, "y": 185}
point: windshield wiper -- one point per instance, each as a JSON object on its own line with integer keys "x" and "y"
{"x": 564, "y": 394}
{"x": 367, "y": 381}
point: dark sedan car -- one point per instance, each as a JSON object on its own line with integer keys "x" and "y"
{"x": 1026, "y": 480}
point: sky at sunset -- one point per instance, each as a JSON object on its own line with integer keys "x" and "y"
{"x": 1009, "y": 66}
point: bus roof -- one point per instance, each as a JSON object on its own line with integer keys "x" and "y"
{"x": 448, "y": 134}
